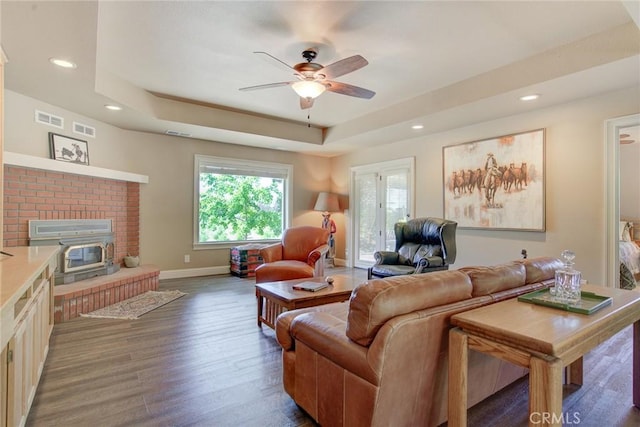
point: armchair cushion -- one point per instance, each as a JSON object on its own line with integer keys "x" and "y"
{"x": 284, "y": 270}
{"x": 388, "y": 270}
{"x": 414, "y": 252}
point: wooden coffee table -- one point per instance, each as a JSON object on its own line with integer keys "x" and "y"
{"x": 277, "y": 297}
{"x": 543, "y": 339}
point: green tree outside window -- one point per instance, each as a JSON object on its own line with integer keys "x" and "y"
{"x": 240, "y": 207}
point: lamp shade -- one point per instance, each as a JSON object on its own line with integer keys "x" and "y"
{"x": 308, "y": 88}
{"x": 327, "y": 202}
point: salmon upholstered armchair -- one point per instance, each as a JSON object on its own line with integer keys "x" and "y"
{"x": 300, "y": 254}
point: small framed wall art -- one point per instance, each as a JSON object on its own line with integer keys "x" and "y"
{"x": 67, "y": 149}
{"x": 496, "y": 183}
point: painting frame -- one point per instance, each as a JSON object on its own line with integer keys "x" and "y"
{"x": 496, "y": 183}
{"x": 67, "y": 149}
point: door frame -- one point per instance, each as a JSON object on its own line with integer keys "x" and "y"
{"x": 409, "y": 162}
{"x": 612, "y": 206}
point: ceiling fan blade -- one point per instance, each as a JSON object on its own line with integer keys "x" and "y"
{"x": 350, "y": 90}
{"x": 342, "y": 67}
{"x": 306, "y": 103}
{"x": 279, "y": 63}
{"x": 266, "y": 86}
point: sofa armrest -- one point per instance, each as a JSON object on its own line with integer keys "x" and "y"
{"x": 316, "y": 254}
{"x": 325, "y": 334}
{"x": 271, "y": 253}
{"x": 387, "y": 257}
{"x": 284, "y": 320}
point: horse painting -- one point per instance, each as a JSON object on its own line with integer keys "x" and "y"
{"x": 506, "y": 171}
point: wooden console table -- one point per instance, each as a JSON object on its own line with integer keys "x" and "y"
{"x": 26, "y": 301}
{"x": 543, "y": 339}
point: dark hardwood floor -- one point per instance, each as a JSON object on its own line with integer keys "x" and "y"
{"x": 201, "y": 360}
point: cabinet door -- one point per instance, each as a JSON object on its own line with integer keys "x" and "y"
{"x": 16, "y": 389}
{"x": 22, "y": 381}
{"x": 4, "y": 381}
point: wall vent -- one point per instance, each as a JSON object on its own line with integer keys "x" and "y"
{"x": 49, "y": 119}
{"x": 84, "y": 130}
{"x": 176, "y": 133}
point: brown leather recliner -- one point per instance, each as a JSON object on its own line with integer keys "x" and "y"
{"x": 300, "y": 254}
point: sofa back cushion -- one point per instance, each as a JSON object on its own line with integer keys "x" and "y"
{"x": 488, "y": 280}
{"x": 374, "y": 302}
{"x": 541, "y": 268}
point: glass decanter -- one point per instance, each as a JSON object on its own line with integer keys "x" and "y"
{"x": 567, "y": 280}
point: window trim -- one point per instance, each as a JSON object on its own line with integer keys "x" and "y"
{"x": 252, "y": 165}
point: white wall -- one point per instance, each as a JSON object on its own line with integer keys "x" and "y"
{"x": 630, "y": 181}
{"x": 166, "y": 202}
{"x": 575, "y": 177}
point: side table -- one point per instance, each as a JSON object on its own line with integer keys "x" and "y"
{"x": 543, "y": 339}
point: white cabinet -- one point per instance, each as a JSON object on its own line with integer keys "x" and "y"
{"x": 27, "y": 322}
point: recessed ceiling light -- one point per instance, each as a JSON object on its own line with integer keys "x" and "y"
{"x": 113, "y": 107}
{"x": 417, "y": 127}
{"x": 529, "y": 97}
{"x": 62, "y": 63}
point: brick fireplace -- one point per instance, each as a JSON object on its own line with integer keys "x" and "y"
{"x": 42, "y": 194}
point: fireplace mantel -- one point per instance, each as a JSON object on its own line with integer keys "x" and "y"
{"x": 24, "y": 160}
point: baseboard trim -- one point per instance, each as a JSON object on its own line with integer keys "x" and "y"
{"x": 339, "y": 262}
{"x": 194, "y": 272}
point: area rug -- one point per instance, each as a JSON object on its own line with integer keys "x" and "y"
{"x": 135, "y": 307}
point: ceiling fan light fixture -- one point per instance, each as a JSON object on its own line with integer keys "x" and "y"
{"x": 308, "y": 88}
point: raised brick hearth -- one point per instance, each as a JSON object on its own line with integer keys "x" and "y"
{"x": 91, "y": 294}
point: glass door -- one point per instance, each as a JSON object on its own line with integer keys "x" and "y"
{"x": 382, "y": 197}
{"x": 395, "y": 185}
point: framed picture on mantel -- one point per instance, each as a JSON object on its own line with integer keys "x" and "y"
{"x": 67, "y": 149}
{"x": 496, "y": 183}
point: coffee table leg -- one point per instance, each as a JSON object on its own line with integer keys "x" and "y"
{"x": 260, "y": 301}
{"x": 545, "y": 392}
{"x": 575, "y": 372}
{"x": 458, "y": 367}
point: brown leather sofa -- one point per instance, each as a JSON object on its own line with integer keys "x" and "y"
{"x": 300, "y": 254}
{"x": 381, "y": 358}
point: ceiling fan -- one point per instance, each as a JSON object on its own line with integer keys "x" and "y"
{"x": 314, "y": 79}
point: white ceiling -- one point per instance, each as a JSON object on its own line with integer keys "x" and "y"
{"x": 178, "y": 65}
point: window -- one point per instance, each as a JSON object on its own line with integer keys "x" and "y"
{"x": 240, "y": 201}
